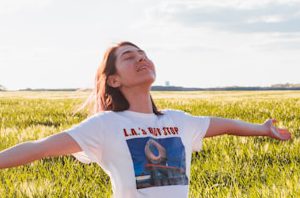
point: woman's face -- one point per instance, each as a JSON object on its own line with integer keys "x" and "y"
{"x": 133, "y": 67}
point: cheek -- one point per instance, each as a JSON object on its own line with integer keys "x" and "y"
{"x": 125, "y": 72}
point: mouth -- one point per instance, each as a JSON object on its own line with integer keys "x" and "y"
{"x": 144, "y": 67}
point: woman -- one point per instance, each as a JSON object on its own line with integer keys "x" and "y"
{"x": 146, "y": 152}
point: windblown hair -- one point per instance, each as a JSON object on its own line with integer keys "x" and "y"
{"x": 103, "y": 96}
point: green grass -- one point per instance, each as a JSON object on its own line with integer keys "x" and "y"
{"x": 228, "y": 166}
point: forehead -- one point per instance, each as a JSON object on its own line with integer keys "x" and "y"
{"x": 126, "y": 48}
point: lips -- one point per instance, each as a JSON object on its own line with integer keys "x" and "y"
{"x": 142, "y": 67}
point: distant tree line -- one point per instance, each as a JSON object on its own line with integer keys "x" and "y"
{"x": 286, "y": 86}
{"x": 233, "y": 88}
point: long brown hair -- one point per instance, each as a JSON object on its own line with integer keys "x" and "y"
{"x": 103, "y": 96}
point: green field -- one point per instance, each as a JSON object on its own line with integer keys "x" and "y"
{"x": 228, "y": 166}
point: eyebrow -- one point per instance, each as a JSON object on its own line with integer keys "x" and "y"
{"x": 130, "y": 51}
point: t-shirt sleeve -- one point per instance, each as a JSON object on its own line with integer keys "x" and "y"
{"x": 195, "y": 126}
{"x": 89, "y": 136}
{"x": 198, "y": 126}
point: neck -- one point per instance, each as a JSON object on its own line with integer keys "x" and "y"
{"x": 139, "y": 99}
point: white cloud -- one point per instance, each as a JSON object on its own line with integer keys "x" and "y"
{"x": 234, "y": 16}
{"x": 244, "y": 4}
{"x": 267, "y": 19}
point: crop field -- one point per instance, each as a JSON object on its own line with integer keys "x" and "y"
{"x": 228, "y": 166}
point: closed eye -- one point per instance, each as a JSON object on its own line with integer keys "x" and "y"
{"x": 128, "y": 58}
{"x": 132, "y": 56}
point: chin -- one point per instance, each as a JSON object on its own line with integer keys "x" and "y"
{"x": 148, "y": 82}
{"x": 151, "y": 80}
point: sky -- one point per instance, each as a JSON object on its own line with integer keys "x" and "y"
{"x": 193, "y": 43}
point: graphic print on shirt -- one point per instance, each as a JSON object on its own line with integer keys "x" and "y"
{"x": 158, "y": 161}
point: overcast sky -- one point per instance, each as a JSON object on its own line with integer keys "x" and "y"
{"x": 193, "y": 43}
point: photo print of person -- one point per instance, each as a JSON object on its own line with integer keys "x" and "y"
{"x": 158, "y": 162}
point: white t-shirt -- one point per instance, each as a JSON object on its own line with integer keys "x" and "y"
{"x": 145, "y": 155}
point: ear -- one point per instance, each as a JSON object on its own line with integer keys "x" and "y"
{"x": 113, "y": 81}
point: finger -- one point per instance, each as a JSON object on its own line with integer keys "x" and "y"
{"x": 276, "y": 133}
{"x": 284, "y": 134}
{"x": 283, "y": 130}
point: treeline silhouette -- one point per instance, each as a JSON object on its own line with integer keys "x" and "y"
{"x": 233, "y": 88}
{"x": 286, "y": 86}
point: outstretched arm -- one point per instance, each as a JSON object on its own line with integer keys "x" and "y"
{"x": 55, "y": 145}
{"x": 220, "y": 126}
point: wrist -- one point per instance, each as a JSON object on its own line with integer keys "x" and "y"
{"x": 263, "y": 130}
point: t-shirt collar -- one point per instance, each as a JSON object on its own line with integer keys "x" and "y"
{"x": 139, "y": 114}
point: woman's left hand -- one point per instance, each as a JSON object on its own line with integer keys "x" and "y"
{"x": 274, "y": 132}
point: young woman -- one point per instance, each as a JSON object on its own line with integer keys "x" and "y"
{"x": 146, "y": 152}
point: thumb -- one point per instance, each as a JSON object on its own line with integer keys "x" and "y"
{"x": 276, "y": 133}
